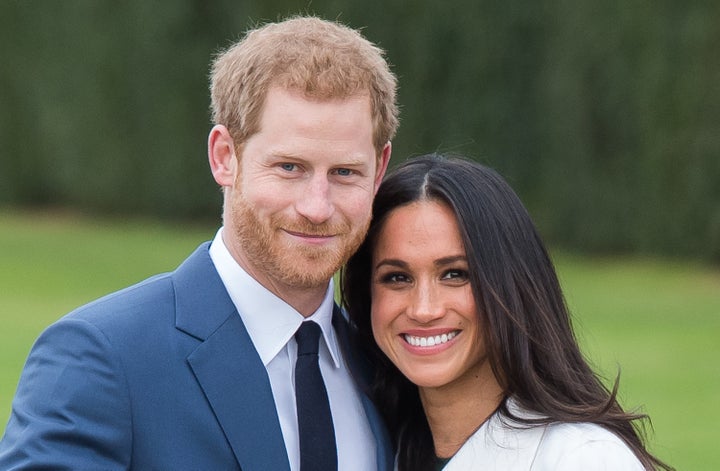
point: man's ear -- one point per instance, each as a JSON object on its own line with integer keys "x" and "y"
{"x": 221, "y": 155}
{"x": 382, "y": 164}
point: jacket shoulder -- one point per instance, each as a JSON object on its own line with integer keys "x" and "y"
{"x": 569, "y": 446}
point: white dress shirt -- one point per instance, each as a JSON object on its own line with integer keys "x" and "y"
{"x": 271, "y": 324}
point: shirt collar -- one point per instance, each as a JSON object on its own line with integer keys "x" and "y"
{"x": 269, "y": 320}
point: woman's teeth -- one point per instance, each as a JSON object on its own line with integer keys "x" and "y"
{"x": 429, "y": 341}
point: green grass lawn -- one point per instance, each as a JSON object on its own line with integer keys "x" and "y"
{"x": 659, "y": 322}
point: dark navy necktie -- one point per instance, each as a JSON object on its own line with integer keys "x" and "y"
{"x": 315, "y": 425}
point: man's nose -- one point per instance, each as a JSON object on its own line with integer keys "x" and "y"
{"x": 314, "y": 202}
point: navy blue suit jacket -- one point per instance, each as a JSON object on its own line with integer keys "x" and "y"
{"x": 161, "y": 375}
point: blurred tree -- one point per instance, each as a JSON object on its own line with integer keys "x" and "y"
{"x": 604, "y": 116}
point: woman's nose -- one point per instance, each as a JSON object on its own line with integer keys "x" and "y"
{"x": 426, "y": 305}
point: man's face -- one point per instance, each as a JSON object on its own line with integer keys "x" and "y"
{"x": 302, "y": 198}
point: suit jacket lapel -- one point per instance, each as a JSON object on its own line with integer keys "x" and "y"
{"x": 362, "y": 374}
{"x": 227, "y": 366}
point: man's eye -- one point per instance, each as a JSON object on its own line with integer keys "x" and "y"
{"x": 288, "y": 167}
{"x": 344, "y": 172}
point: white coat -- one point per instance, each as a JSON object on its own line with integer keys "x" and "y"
{"x": 504, "y": 445}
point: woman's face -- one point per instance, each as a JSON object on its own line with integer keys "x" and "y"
{"x": 424, "y": 316}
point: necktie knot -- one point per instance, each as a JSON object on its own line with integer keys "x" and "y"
{"x": 307, "y": 338}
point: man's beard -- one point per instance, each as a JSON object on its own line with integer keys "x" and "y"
{"x": 294, "y": 265}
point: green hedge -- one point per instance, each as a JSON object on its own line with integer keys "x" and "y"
{"x": 605, "y": 116}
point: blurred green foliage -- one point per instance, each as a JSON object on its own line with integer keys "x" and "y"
{"x": 605, "y": 116}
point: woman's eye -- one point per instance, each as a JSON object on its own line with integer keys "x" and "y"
{"x": 394, "y": 278}
{"x": 459, "y": 275}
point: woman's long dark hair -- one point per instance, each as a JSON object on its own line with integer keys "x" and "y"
{"x": 527, "y": 328}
